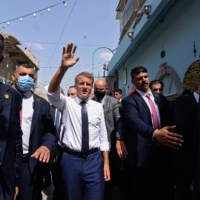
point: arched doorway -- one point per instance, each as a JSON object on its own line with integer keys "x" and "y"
{"x": 171, "y": 80}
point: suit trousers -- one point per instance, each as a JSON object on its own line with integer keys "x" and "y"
{"x": 82, "y": 176}
{"x": 153, "y": 183}
{"x": 5, "y": 193}
{"x": 31, "y": 187}
{"x": 182, "y": 185}
{"x": 57, "y": 178}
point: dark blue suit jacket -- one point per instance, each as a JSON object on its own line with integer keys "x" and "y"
{"x": 185, "y": 112}
{"x": 10, "y": 138}
{"x": 43, "y": 130}
{"x": 142, "y": 149}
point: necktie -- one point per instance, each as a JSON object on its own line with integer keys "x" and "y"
{"x": 154, "y": 113}
{"x": 85, "y": 130}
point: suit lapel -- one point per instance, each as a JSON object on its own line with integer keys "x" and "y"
{"x": 36, "y": 107}
{"x": 5, "y": 97}
{"x": 105, "y": 107}
{"x": 142, "y": 101}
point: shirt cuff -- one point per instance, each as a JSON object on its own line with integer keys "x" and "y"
{"x": 53, "y": 95}
{"x": 104, "y": 146}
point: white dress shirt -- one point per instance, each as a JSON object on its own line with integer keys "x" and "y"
{"x": 27, "y": 114}
{"x": 196, "y": 96}
{"x": 147, "y": 102}
{"x": 72, "y": 123}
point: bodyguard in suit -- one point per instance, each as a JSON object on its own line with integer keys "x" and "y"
{"x": 10, "y": 139}
{"x": 114, "y": 128}
{"x": 148, "y": 140}
{"x": 38, "y": 134}
{"x": 195, "y": 185}
{"x": 185, "y": 109}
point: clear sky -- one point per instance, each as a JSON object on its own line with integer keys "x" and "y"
{"x": 89, "y": 24}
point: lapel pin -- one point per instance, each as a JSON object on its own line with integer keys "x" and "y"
{"x": 6, "y": 96}
{"x": 38, "y": 99}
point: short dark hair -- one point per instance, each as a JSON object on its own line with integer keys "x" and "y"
{"x": 2, "y": 45}
{"x": 85, "y": 74}
{"x": 118, "y": 90}
{"x": 138, "y": 70}
{"x": 156, "y": 82}
{"x": 26, "y": 65}
{"x": 72, "y": 86}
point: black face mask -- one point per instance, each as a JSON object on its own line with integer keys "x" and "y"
{"x": 99, "y": 95}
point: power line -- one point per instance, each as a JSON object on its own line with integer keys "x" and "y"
{"x": 62, "y": 31}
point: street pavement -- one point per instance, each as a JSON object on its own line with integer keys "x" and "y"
{"x": 47, "y": 193}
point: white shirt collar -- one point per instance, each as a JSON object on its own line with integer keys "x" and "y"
{"x": 196, "y": 96}
{"x": 78, "y": 100}
{"x": 102, "y": 100}
{"x": 144, "y": 93}
{"x": 27, "y": 94}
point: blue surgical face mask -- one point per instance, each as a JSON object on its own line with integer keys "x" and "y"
{"x": 25, "y": 83}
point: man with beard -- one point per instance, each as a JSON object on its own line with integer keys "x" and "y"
{"x": 10, "y": 139}
{"x": 115, "y": 130}
{"x": 148, "y": 140}
{"x": 84, "y": 152}
{"x": 38, "y": 134}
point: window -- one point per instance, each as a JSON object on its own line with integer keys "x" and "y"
{"x": 126, "y": 11}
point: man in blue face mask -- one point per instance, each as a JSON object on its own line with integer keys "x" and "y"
{"x": 38, "y": 134}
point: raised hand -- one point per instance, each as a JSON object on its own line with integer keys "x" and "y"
{"x": 68, "y": 56}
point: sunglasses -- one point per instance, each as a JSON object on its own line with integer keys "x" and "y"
{"x": 155, "y": 89}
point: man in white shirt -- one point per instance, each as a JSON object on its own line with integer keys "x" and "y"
{"x": 84, "y": 135}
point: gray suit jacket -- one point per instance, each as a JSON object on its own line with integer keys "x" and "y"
{"x": 113, "y": 119}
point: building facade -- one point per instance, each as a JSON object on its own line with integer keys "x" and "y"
{"x": 13, "y": 56}
{"x": 164, "y": 37}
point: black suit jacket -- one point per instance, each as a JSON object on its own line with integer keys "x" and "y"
{"x": 43, "y": 130}
{"x": 185, "y": 114}
{"x": 10, "y": 138}
{"x": 142, "y": 149}
{"x": 196, "y": 158}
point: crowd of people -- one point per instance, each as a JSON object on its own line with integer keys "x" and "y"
{"x": 143, "y": 145}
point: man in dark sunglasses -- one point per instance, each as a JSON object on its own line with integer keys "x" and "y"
{"x": 157, "y": 86}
